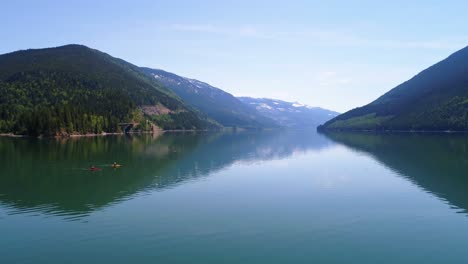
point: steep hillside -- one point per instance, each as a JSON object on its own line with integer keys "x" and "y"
{"x": 75, "y": 89}
{"x": 436, "y": 99}
{"x": 290, "y": 114}
{"x": 216, "y": 103}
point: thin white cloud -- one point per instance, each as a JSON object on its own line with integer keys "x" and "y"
{"x": 240, "y": 31}
{"x": 202, "y": 28}
{"x": 319, "y": 37}
{"x": 330, "y": 78}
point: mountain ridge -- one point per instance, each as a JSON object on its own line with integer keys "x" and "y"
{"x": 290, "y": 114}
{"x": 218, "y": 104}
{"x": 75, "y": 89}
{"x": 436, "y": 99}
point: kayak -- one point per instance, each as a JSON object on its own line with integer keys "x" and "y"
{"x": 95, "y": 169}
{"x": 116, "y": 165}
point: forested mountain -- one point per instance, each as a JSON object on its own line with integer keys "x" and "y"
{"x": 289, "y": 114}
{"x": 435, "y": 100}
{"x": 216, "y": 103}
{"x": 75, "y": 89}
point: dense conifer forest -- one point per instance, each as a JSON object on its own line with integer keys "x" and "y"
{"x": 75, "y": 89}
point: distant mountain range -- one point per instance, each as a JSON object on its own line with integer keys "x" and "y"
{"x": 290, "y": 114}
{"x": 219, "y": 105}
{"x": 74, "y": 89}
{"x": 434, "y": 100}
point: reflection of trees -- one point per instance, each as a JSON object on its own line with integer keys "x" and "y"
{"x": 50, "y": 175}
{"x": 436, "y": 162}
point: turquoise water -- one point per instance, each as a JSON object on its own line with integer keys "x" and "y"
{"x": 246, "y": 197}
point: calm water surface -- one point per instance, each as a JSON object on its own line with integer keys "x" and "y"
{"x": 247, "y": 197}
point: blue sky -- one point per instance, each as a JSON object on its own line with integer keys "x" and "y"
{"x": 334, "y": 54}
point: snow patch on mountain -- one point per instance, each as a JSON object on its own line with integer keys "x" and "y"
{"x": 296, "y": 104}
{"x": 263, "y": 105}
{"x": 290, "y": 114}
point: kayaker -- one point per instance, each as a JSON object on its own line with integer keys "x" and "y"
{"x": 94, "y": 168}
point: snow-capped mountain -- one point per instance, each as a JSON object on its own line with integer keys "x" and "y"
{"x": 217, "y": 104}
{"x": 290, "y": 114}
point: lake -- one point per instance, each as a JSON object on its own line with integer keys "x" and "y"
{"x": 239, "y": 197}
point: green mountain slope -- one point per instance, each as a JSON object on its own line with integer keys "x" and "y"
{"x": 436, "y": 99}
{"x": 216, "y": 103}
{"x": 75, "y": 89}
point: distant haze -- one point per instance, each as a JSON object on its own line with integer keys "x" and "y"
{"x": 333, "y": 54}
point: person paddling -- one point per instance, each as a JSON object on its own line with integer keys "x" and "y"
{"x": 94, "y": 168}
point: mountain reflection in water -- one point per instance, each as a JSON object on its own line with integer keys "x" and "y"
{"x": 51, "y": 177}
{"x": 438, "y": 163}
